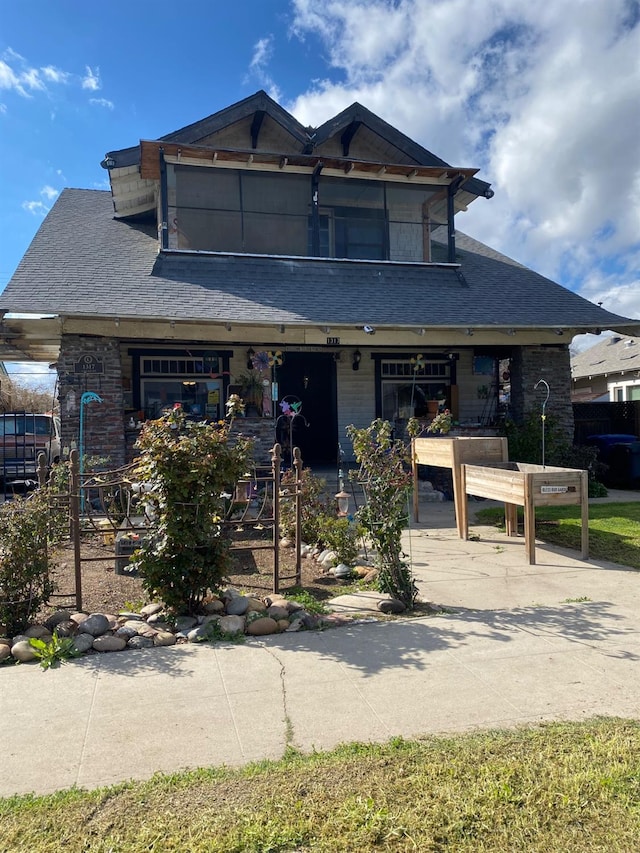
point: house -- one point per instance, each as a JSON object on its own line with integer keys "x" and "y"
{"x": 608, "y": 371}
{"x": 321, "y": 265}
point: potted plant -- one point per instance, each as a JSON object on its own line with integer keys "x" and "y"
{"x": 251, "y": 390}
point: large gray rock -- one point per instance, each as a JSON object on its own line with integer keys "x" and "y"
{"x": 109, "y": 643}
{"x": 237, "y": 605}
{"x": 96, "y": 624}
{"x": 139, "y": 642}
{"x": 56, "y": 618}
{"x": 277, "y": 611}
{"x": 199, "y": 633}
{"x": 39, "y": 632}
{"x": 126, "y": 631}
{"x": 185, "y": 624}
{"x": 231, "y": 624}
{"x": 82, "y": 643}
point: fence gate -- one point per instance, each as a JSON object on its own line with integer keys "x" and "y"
{"x": 110, "y": 507}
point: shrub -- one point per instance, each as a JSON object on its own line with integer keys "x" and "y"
{"x": 525, "y": 445}
{"x": 25, "y": 566}
{"x": 190, "y": 470}
{"x": 342, "y": 536}
{"x": 386, "y": 478}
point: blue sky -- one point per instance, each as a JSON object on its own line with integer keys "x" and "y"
{"x": 544, "y": 99}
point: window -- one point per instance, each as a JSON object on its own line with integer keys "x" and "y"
{"x": 406, "y": 389}
{"x": 194, "y": 381}
{"x": 233, "y": 210}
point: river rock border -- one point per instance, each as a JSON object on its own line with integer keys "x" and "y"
{"x": 228, "y": 616}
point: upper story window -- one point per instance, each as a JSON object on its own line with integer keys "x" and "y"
{"x": 263, "y": 212}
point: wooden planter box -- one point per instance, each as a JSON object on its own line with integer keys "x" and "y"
{"x": 527, "y": 485}
{"x": 452, "y": 452}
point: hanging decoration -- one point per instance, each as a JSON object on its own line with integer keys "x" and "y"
{"x": 417, "y": 364}
{"x": 543, "y": 415}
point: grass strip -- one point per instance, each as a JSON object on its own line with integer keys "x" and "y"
{"x": 614, "y": 529}
{"x": 550, "y": 788}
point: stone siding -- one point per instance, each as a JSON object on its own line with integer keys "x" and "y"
{"x": 92, "y": 364}
{"x": 528, "y": 366}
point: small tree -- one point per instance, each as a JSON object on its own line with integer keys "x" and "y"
{"x": 385, "y": 473}
{"x": 190, "y": 470}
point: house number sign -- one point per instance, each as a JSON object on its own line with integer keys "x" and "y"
{"x": 333, "y": 342}
{"x": 556, "y": 490}
{"x": 89, "y": 364}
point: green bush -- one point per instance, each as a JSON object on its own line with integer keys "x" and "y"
{"x": 25, "y": 565}
{"x": 342, "y": 536}
{"x": 525, "y": 445}
{"x": 190, "y": 470}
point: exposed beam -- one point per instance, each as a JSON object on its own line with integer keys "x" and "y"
{"x": 256, "y": 125}
{"x": 347, "y": 136}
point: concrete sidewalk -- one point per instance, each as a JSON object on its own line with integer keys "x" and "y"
{"x": 518, "y": 644}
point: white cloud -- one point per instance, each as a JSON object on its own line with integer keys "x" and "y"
{"x": 543, "y": 98}
{"x": 37, "y": 208}
{"x": 258, "y": 67}
{"x": 101, "y": 102}
{"x": 91, "y": 80}
{"x": 42, "y": 206}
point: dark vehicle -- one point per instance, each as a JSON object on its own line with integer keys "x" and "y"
{"x": 23, "y": 437}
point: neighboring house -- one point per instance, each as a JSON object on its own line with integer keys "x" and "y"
{"x": 607, "y": 372}
{"x": 327, "y": 256}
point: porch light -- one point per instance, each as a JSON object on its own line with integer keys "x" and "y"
{"x": 357, "y": 356}
{"x": 342, "y": 503}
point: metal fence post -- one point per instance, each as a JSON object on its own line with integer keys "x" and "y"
{"x": 275, "y": 470}
{"x": 74, "y": 513}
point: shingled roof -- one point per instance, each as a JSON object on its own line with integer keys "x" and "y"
{"x": 83, "y": 262}
{"x": 612, "y": 355}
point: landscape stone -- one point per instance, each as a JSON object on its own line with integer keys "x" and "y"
{"x": 164, "y": 638}
{"x": 256, "y": 606}
{"x": 96, "y": 624}
{"x": 126, "y": 631}
{"x": 277, "y": 611}
{"x": 157, "y": 618}
{"x": 23, "y": 651}
{"x": 139, "y": 642}
{"x": 131, "y": 625}
{"x": 56, "y": 618}
{"x": 185, "y": 623}
{"x": 151, "y": 609}
{"x": 66, "y": 628}
{"x": 391, "y": 605}
{"x": 262, "y": 626}
{"x": 197, "y": 635}
{"x": 215, "y": 606}
{"x": 371, "y": 577}
{"x": 283, "y": 624}
{"x": 295, "y": 625}
{"x": 129, "y": 615}
{"x": 5, "y": 641}
{"x": 109, "y": 643}
{"x": 237, "y": 605}
{"x": 78, "y": 617}
{"x": 38, "y": 631}
{"x": 82, "y": 643}
{"x": 5, "y": 651}
{"x": 231, "y": 624}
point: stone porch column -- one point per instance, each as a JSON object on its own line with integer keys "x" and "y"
{"x": 551, "y": 363}
{"x": 92, "y": 364}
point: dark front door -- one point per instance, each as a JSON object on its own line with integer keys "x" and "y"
{"x": 307, "y": 387}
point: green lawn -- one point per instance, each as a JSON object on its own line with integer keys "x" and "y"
{"x": 614, "y": 529}
{"x": 552, "y": 788}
